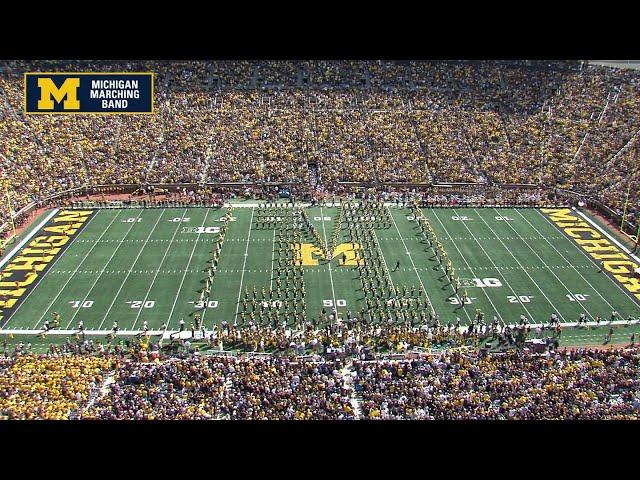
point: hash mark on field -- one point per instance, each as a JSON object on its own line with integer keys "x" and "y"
{"x": 100, "y": 276}
{"x": 134, "y": 262}
{"x": 557, "y": 311}
{"x": 464, "y": 259}
{"x": 155, "y": 276}
{"x": 69, "y": 279}
{"x": 565, "y": 259}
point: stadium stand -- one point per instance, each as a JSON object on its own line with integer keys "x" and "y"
{"x": 581, "y": 384}
{"x": 549, "y": 123}
{"x": 315, "y": 126}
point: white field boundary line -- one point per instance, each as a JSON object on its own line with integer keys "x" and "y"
{"x": 28, "y": 237}
{"x": 555, "y": 308}
{"x": 496, "y": 267}
{"x": 301, "y": 204}
{"x": 257, "y": 205}
{"x": 565, "y": 259}
{"x": 155, "y": 276}
{"x": 603, "y": 231}
{"x": 75, "y": 271}
{"x": 146, "y": 242}
{"x": 113, "y": 254}
{"x": 324, "y": 232}
{"x": 589, "y": 314}
{"x": 433, "y": 249}
{"x": 411, "y": 260}
{"x": 414, "y": 239}
{"x": 592, "y": 260}
{"x": 184, "y": 275}
{"x": 318, "y": 205}
{"x": 176, "y": 334}
{"x": 471, "y": 270}
{"x": 52, "y": 267}
{"x": 169, "y": 271}
{"x": 244, "y": 264}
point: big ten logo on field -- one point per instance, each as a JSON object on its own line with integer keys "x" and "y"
{"x": 480, "y": 282}
{"x": 200, "y": 230}
{"x": 307, "y": 254}
{"x": 88, "y": 92}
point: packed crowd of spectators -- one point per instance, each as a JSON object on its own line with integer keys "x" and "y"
{"x": 577, "y": 384}
{"x": 583, "y": 384}
{"x": 48, "y": 387}
{"x": 226, "y": 387}
{"x": 317, "y": 123}
{"x": 559, "y": 124}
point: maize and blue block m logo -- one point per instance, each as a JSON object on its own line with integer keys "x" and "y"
{"x": 67, "y": 93}
{"x": 88, "y": 92}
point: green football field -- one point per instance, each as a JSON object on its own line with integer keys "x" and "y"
{"x": 136, "y": 265}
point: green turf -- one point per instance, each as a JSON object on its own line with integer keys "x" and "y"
{"x": 146, "y": 256}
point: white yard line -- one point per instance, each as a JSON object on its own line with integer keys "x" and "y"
{"x": 187, "y": 334}
{"x": 113, "y": 254}
{"x": 592, "y": 260}
{"x": 248, "y": 240}
{"x": 153, "y": 281}
{"x": 565, "y": 259}
{"x": 464, "y": 259}
{"x": 386, "y": 268}
{"x": 433, "y": 249}
{"x": 29, "y": 237}
{"x": 175, "y": 300}
{"x": 333, "y": 292}
{"x": 273, "y": 256}
{"x": 244, "y": 264}
{"x": 130, "y": 270}
{"x": 74, "y": 271}
{"x": 286, "y": 205}
{"x": 531, "y": 317}
{"x": 50, "y": 269}
{"x": 411, "y": 260}
{"x": 555, "y": 308}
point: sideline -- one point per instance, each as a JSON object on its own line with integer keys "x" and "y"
{"x": 608, "y": 235}
{"x": 31, "y": 234}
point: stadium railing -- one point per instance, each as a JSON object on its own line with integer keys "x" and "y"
{"x": 32, "y": 206}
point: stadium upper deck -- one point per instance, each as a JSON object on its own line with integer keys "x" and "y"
{"x": 551, "y": 123}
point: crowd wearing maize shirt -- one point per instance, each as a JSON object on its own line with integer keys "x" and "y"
{"x": 48, "y": 387}
{"x": 554, "y": 123}
{"x": 580, "y": 384}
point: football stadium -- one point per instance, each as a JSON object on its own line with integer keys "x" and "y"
{"x": 309, "y": 240}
